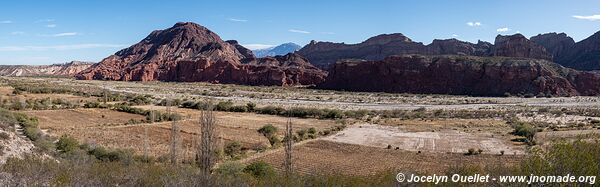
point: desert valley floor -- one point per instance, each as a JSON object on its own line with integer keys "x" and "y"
{"x": 422, "y": 133}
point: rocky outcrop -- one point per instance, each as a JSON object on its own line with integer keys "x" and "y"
{"x": 519, "y": 46}
{"x": 59, "y": 70}
{"x": 188, "y": 52}
{"x": 583, "y": 55}
{"x": 462, "y": 75}
{"x": 457, "y": 47}
{"x": 323, "y": 54}
{"x": 555, "y": 43}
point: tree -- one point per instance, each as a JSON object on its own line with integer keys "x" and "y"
{"x": 206, "y": 152}
{"x": 174, "y": 149}
{"x": 289, "y": 140}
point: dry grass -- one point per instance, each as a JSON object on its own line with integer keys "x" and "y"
{"x": 6, "y": 92}
{"x": 80, "y": 118}
{"x": 88, "y": 126}
{"x": 338, "y": 158}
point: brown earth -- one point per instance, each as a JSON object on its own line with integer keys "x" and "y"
{"x": 326, "y": 157}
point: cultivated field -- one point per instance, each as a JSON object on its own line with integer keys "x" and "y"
{"x": 348, "y": 159}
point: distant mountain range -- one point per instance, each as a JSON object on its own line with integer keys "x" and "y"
{"x": 68, "y": 69}
{"x": 512, "y": 65}
{"x": 282, "y": 49}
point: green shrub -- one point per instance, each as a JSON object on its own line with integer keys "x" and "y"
{"x": 238, "y": 108}
{"x": 230, "y": 169}
{"x": 268, "y": 130}
{"x": 67, "y": 144}
{"x": 224, "y": 106}
{"x": 103, "y": 154}
{"x": 232, "y": 149}
{"x": 140, "y": 100}
{"x": 525, "y": 129}
{"x": 251, "y": 106}
{"x": 260, "y": 170}
{"x": 271, "y": 110}
{"x": 301, "y": 134}
{"x": 274, "y": 141}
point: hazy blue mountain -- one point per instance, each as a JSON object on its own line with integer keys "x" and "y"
{"x": 282, "y": 49}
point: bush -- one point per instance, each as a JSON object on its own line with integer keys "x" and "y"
{"x": 471, "y": 151}
{"x": 251, "y": 106}
{"x": 109, "y": 156}
{"x": 271, "y": 110}
{"x": 274, "y": 141}
{"x": 230, "y": 169}
{"x": 94, "y": 104}
{"x": 525, "y": 129}
{"x": 140, "y": 100}
{"x": 232, "y": 149}
{"x": 238, "y": 108}
{"x": 301, "y": 134}
{"x": 260, "y": 170}
{"x": 4, "y": 136}
{"x": 334, "y": 114}
{"x": 224, "y": 106}
{"x": 67, "y": 144}
{"x": 268, "y": 130}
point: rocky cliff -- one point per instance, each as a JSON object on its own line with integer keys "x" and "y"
{"x": 519, "y": 46}
{"x": 323, "y": 54}
{"x": 555, "y": 43}
{"x": 60, "y": 70}
{"x": 463, "y": 75}
{"x": 583, "y": 55}
{"x": 189, "y": 52}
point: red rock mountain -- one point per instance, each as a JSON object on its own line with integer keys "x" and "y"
{"x": 462, "y": 75}
{"x": 324, "y": 54}
{"x": 555, "y": 43}
{"x": 189, "y": 52}
{"x": 519, "y": 46}
{"x": 583, "y": 55}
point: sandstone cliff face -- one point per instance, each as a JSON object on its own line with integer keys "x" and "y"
{"x": 462, "y": 75}
{"x": 583, "y": 55}
{"x": 188, "y": 52}
{"x": 61, "y": 70}
{"x": 457, "y": 47}
{"x": 324, "y": 54}
{"x": 519, "y": 46}
{"x": 555, "y": 43}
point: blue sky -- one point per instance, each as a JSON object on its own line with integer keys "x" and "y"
{"x": 46, "y": 32}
